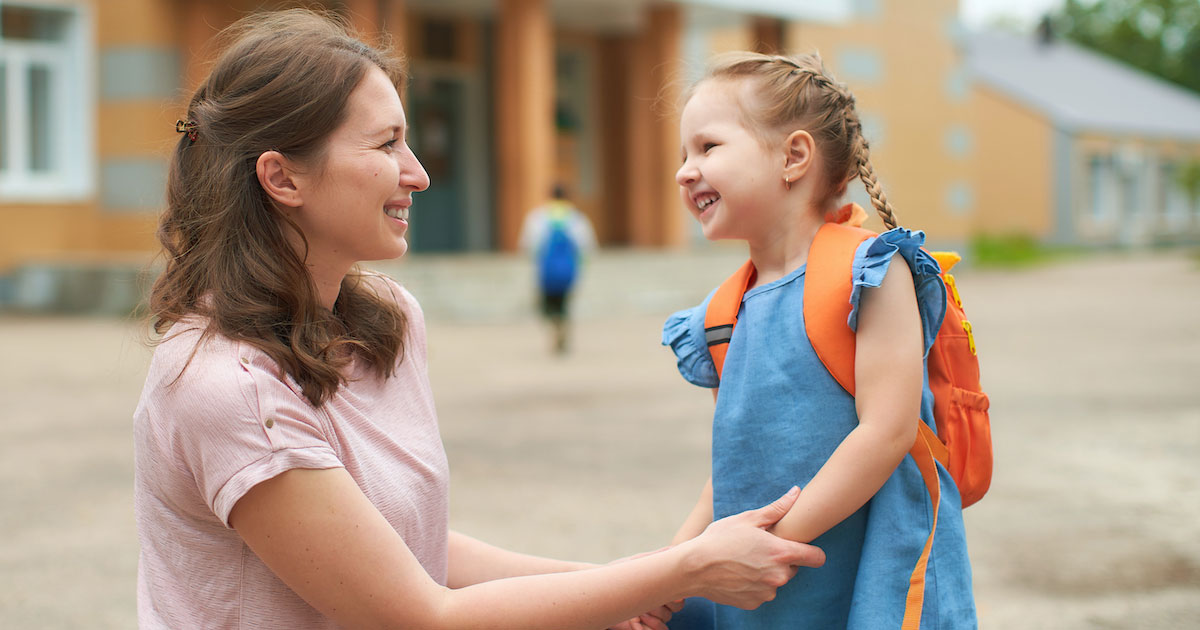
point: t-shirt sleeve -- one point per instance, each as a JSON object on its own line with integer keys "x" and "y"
{"x": 871, "y": 263}
{"x": 684, "y": 334}
{"x": 235, "y": 423}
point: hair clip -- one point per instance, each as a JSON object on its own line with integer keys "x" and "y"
{"x": 187, "y": 126}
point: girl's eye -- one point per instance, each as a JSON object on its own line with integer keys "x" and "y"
{"x": 709, "y": 145}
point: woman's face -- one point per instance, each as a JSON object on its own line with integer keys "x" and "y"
{"x": 356, "y": 202}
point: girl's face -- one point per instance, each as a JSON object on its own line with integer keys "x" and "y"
{"x": 729, "y": 180}
{"x": 356, "y": 203}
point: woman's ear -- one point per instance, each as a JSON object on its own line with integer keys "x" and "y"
{"x": 277, "y": 178}
{"x": 801, "y": 153}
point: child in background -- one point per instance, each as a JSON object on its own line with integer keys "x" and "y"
{"x": 557, "y": 235}
{"x": 769, "y": 146}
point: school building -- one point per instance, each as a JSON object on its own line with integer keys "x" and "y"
{"x": 508, "y": 97}
{"x": 1075, "y": 148}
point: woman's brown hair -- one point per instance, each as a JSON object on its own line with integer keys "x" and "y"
{"x": 282, "y": 83}
{"x": 797, "y": 92}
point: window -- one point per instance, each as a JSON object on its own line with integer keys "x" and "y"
{"x": 45, "y": 129}
{"x": 1105, "y": 189}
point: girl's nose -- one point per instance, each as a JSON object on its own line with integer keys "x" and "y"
{"x": 685, "y": 175}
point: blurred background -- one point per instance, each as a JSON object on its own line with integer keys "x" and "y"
{"x": 1056, "y": 143}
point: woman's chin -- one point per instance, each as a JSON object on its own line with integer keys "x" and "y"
{"x": 396, "y": 250}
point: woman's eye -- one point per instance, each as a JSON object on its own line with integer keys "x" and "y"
{"x": 390, "y": 144}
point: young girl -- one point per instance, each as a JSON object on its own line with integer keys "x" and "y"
{"x": 769, "y": 146}
{"x": 288, "y": 467}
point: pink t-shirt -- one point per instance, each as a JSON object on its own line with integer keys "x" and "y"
{"x": 228, "y": 423}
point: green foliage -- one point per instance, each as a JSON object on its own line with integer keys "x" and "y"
{"x": 1189, "y": 179}
{"x": 1014, "y": 251}
{"x": 1161, "y": 37}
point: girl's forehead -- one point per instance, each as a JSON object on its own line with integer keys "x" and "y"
{"x": 716, "y": 102}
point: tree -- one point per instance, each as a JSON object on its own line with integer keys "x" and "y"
{"x": 1161, "y": 37}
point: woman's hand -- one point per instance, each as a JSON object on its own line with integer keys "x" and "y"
{"x": 740, "y": 564}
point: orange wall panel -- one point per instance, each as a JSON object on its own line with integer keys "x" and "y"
{"x": 137, "y": 129}
{"x": 1014, "y": 169}
{"x": 136, "y": 23}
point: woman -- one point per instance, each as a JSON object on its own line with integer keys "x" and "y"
{"x": 289, "y": 471}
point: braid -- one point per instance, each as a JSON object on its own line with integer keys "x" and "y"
{"x": 862, "y": 154}
{"x": 797, "y": 92}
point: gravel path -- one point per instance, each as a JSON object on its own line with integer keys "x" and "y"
{"x": 1093, "y": 520}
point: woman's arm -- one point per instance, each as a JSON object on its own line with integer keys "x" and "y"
{"x": 888, "y": 377}
{"x": 319, "y": 533}
{"x": 473, "y": 561}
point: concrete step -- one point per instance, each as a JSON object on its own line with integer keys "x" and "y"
{"x": 485, "y": 287}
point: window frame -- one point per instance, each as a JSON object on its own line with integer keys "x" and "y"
{"x": 72, "y": 176}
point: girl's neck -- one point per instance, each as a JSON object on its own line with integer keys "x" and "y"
{"x": 784, "y": 250}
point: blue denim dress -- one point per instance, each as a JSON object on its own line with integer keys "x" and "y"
{"x": 778, "y": 418}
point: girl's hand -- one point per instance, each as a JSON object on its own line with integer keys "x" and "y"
{"x": 653, "y": 620}
{"x": 739, "y": 563}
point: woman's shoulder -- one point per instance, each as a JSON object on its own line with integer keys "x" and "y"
{"x": 388, "y": 289}
{"x": 192, "y": 362}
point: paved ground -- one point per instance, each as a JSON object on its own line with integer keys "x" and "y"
{"x": 1093, "y": 520}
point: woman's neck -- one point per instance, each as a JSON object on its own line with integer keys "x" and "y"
{"x": 328, "y": 282}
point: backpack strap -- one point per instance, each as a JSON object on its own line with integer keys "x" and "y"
{"x": 721, "y": 315}
{"x": 827, "y": 288}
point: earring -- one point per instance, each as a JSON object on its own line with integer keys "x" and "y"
{"x": 787, "y": 182}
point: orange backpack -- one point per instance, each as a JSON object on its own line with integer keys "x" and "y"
{"x": 963, "y": 443}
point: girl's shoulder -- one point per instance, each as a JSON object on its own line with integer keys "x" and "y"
{"x": 871, "y": 263}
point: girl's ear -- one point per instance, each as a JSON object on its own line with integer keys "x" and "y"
{"x": 277, "y": 178}
{"x": 801, "y": 153}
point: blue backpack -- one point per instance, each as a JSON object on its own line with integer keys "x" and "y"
{"x": 559, "y": 260}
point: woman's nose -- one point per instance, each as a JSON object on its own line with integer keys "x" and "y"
{"x": 412, "y": 174}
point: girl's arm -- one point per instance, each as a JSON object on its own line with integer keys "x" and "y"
{"x": 701, "y": 516}
{"x": 888, "y": 375}
{"x": 702, "y": 513}
{"x": 326, "y": 541}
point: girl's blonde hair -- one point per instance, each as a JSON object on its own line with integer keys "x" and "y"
{"x": 797, "y": 92}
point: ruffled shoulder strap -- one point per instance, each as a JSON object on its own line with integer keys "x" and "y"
{"x": 871, "y": 263}
{"x": 683, "y": 332}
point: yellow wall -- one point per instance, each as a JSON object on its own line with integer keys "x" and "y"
{"x": 1013, "y": 167}
{"x": 49, "y": 230}
{"x": 913, "y": 42}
